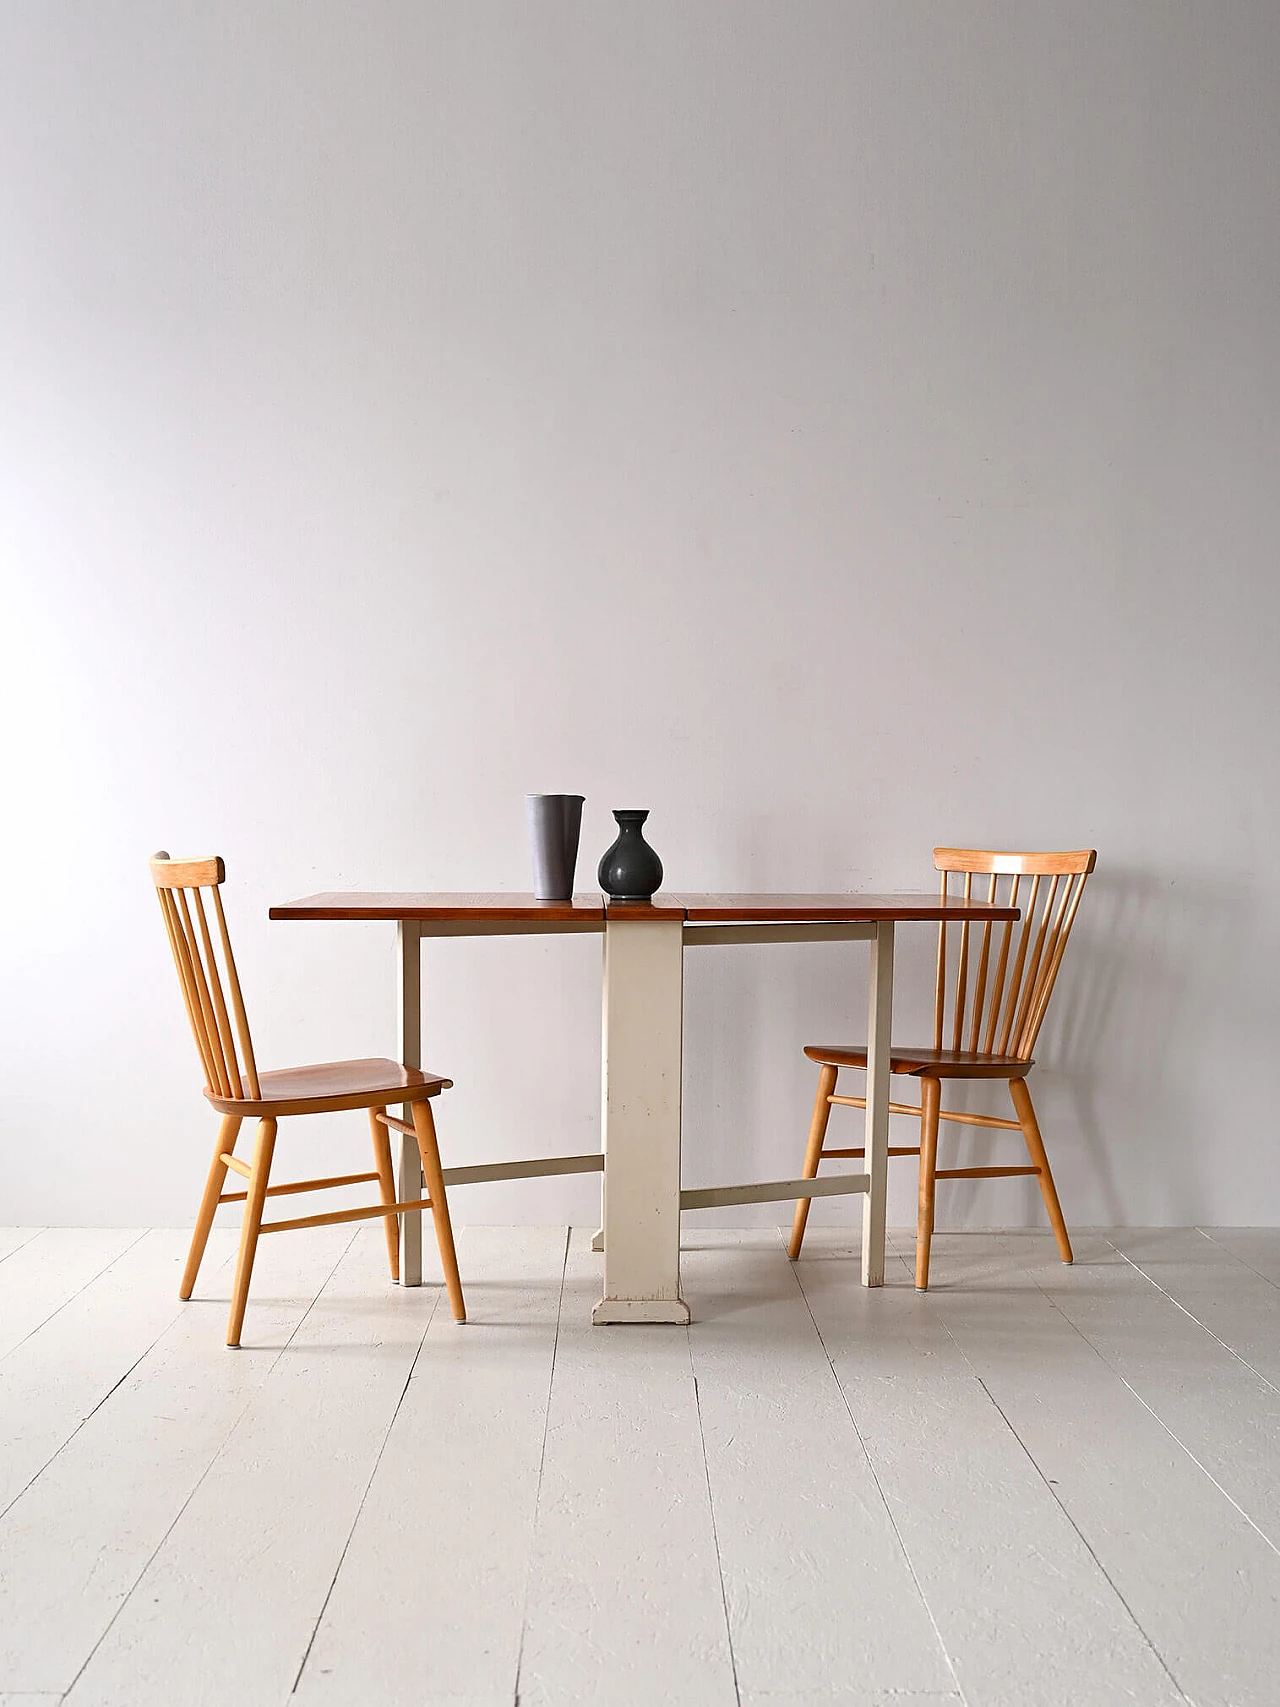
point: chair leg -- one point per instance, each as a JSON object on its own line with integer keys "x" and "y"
{"x": 930, "y": 1102}
{"x": 813, "y": 1154}
{"x": 386, "y": 1185}
{"x": 228, "y": 1128}
{"x": 425, "y": 1127}
{"x": 1035, "y": 1149}
{"x": 263, "y": 1148}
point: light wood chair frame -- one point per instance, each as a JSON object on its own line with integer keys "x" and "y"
{"x": 219, "y": 1023}
{"x": 996, "y": 1009}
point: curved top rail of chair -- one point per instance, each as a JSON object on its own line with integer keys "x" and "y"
{"x": 1017, "y": 864}
{"x": 193, "y": 872}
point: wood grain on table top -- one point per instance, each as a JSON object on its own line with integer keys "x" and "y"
{"x": 706, "y": 908}
{"x": 404, "y": 904}
{"x": 839, "y": 908}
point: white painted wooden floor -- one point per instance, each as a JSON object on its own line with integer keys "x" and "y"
{"x": 1035, "y": 1486}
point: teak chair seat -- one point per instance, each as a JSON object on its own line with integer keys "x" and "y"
{"x": 1003, "y": 980}
{"x": 940, "y": 1063}
{"x": 237, "y": 1090}
{"x": 332, "y": 1085}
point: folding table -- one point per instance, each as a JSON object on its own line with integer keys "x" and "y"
{"x": 643, "y": 1001}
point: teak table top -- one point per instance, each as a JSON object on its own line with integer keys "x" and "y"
{"x": 480, "y": 904}
{"x": 841, "y": 909}
{"x": 753, "y": 909}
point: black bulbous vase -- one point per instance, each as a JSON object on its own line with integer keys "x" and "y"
{"x": 630, "y": 870}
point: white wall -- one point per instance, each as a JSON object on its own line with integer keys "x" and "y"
{"x": 839, "y": 428}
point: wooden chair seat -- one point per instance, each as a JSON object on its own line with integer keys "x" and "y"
{"x": 331, "y": 1085}
{"x": 938, "y": 1063}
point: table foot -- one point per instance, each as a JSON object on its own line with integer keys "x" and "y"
{"x": 609, "y": 1311}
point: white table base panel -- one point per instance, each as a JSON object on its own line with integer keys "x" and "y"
{"x": 643, "y": 1019}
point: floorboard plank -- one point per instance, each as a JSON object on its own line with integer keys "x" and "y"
{"x": 77, "y": 1541}
{"x": 48, "y": 1270}
{"x": 450, "y": 1510}
{"x": 1222, "y": 1413}
{"x": 817, "y": 1584}
{"x": 12, "y": 1239}
{"x": 1173, "y": 1545}
{"x": 852, "y": 1698}
{"x": 1024, "y": 1611}
{"x": 241, "y": 1580}
{"x": 63, "y": 1369}
{"x": 1225, "y": 1295}
{"x": 625, "y": 1601}
{"x": 1257, "y": 1247}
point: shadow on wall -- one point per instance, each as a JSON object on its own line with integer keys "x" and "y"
{"x": 1163, "y": 978}
{"x": 1154, "y": 987}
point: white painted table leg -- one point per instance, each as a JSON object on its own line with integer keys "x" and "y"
{"x": 597, "y": 1238}
{"x": 643, "y": 1015}
{"x": 879, "y": 1031}
{"x": 409, "y": 964}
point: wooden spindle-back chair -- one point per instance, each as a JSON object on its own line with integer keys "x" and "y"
{"x": 215, "y": 1007}
{"x": 991, "y": 994}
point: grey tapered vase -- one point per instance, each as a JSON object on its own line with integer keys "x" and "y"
{"x": 555, "y": 822}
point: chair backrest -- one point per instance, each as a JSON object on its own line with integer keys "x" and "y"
{"x": 179, "y": 884}
{"x": 998, "y": 1004}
